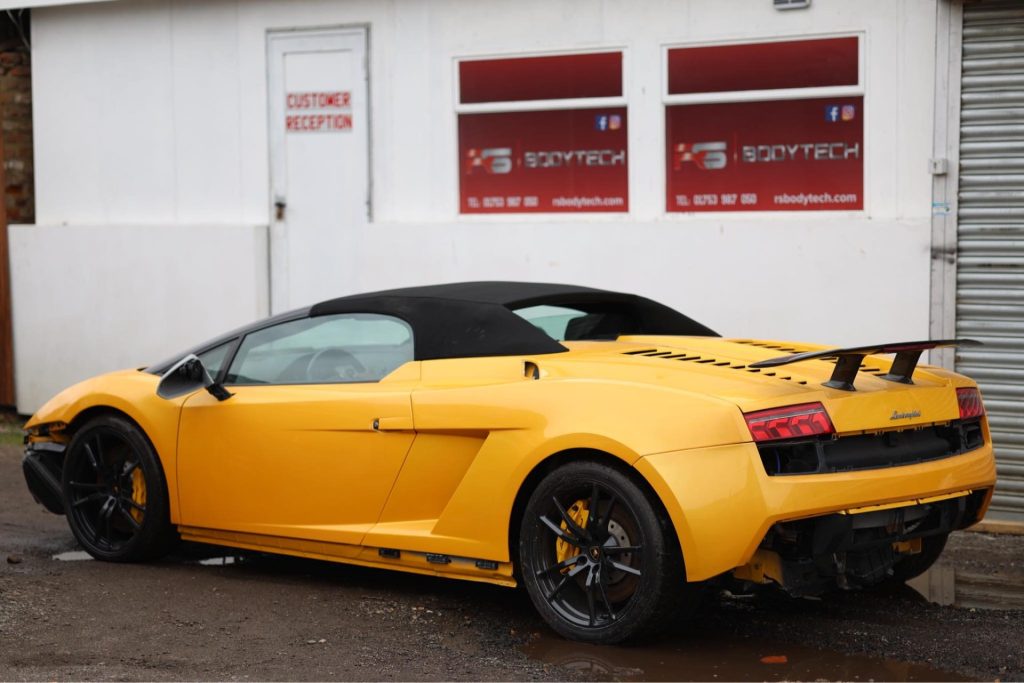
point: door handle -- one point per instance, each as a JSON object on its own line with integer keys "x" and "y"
{"x": 391, "y": 424}
{"x": 279, "y": 206}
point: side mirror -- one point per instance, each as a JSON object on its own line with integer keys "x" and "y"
{"x": 188, "y": 375}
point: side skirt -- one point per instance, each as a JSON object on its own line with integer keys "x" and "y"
{"x": 430, "y": 564}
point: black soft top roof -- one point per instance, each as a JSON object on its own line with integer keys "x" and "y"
{"x": 509, "y": 294}
{"x": 472, "y": 319}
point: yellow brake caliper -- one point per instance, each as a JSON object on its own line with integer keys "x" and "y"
{"x": 578, "y": 513}
{"x": 138, "y": 493}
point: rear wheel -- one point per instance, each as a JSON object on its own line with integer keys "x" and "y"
{"x": 115, "y": 494}
{"x": 599, "y": 562}
{"x": 911, "y": 566}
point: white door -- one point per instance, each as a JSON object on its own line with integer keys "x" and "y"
{"x": 319, "y": 162}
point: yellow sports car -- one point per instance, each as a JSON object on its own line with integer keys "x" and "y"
{"x": 602, "y": 449}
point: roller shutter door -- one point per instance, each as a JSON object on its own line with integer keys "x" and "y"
{"x": 990, "y": 265}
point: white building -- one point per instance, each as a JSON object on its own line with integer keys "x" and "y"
{"x": 789, "y": 174}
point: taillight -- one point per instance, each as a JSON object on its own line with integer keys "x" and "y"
{"x": 789, "y": 422}
{"x": 969, "y": 399}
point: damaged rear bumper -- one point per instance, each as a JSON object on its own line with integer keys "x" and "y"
{"x": 724, "y": 505}
{"x": 43, "y": 467}
{"x": 858, "y": 548}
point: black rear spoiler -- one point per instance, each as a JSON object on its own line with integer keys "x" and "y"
{"x": 902, "y": 370}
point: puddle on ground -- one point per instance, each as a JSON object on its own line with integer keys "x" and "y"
{"x": 944, "y": 585}
{"x": 72, "y": 556}
{"x": 697, "y": 659}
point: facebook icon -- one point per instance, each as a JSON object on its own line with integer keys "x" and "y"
{"x": 601, "y": 122}
{"x": 832, "y": 113}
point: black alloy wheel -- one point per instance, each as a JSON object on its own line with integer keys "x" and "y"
{"x": 114, "y": 492}
{"x": 599, "y": 563}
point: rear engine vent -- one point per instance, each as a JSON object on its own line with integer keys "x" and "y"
{"x": 765, "y": 345}
{"x": 714, "y": 362}
{"x": 870, "y": 451}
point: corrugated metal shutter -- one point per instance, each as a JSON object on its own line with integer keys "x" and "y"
{"x": 990, "y": 265}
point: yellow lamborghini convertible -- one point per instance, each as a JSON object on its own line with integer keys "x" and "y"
{"x": 600, "y": 448}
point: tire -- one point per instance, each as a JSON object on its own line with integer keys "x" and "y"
{"x": 115, "y": 494}
{"x": 914, "y": 565}
{"x": 578, "y": 572}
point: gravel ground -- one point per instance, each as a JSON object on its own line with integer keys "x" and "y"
{"x": 265, "y": 617}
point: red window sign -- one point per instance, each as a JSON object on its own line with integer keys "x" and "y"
{"x": 763, "y": 66}
{"x": 540, "y": 78}
{"x": 570, "y": 160}
{"x": 786, "y": 155}
{"x": 318, "y": 112}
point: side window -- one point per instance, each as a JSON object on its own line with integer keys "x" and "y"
{"x": 563, "y": 323}
{"x": 350, "y": 347}
{"x": 215, "y": 357}
{"x": 553, "y": 320}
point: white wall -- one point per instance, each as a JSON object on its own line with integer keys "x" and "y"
{"x": 154, "y": 112}
{"x": 93, "y": 299}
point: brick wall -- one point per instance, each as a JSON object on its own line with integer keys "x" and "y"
{"x": 16, "y": 126}
{"x": 16, "y": 179}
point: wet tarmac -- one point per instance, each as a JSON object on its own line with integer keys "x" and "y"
{"x": 736, "y": 660}
{"x": 691, "y": 657}
{"x": 712, "y": 659}
{"x": 709, "y": 659}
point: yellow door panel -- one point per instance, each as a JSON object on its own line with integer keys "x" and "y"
{"x": 302, "y": 461}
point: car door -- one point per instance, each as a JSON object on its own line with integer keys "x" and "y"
{"x": 313, "y": 437}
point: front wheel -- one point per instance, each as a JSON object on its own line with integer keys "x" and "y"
{"x": 599, "y": 562}
{"x": 115, "y": 495}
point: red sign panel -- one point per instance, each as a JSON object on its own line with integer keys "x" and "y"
{"x": 787, "y": 155}
{"x": 552, "y": 77}
{"x": 763, "y": 66}
{"x": 544, "y": 161}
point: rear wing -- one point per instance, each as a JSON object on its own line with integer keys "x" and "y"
{"x": 849, "y": 360}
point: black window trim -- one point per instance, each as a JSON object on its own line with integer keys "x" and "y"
{"x": 228, "y": 356}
